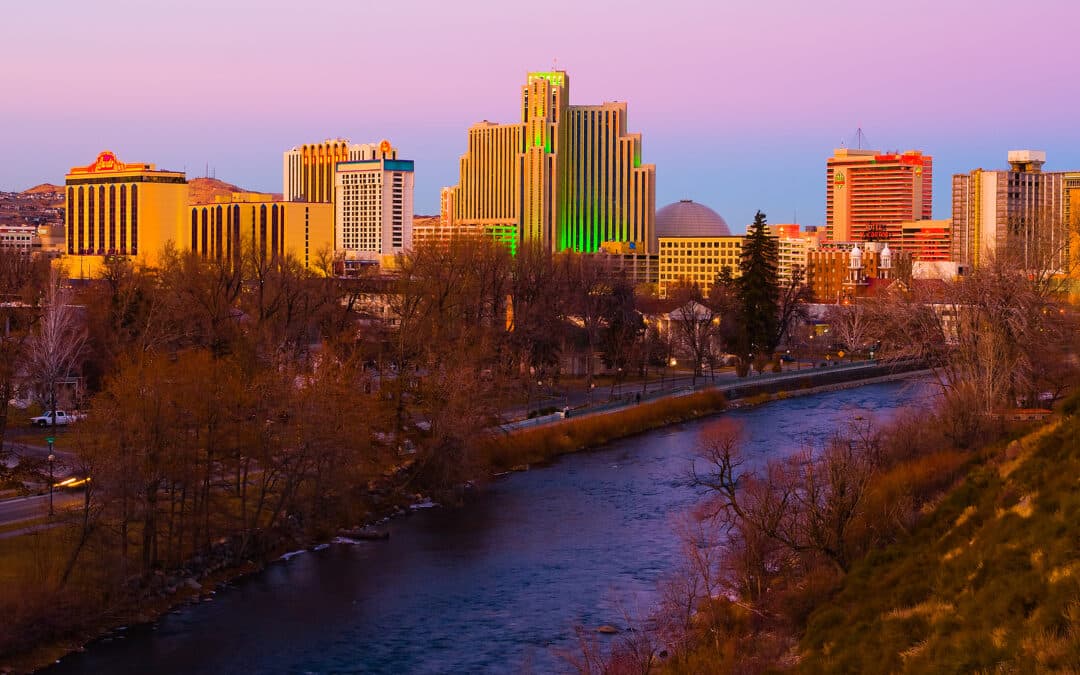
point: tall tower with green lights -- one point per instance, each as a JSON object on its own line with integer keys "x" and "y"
{"x": 566, "y": 177}
{"x": 543, "y": 160}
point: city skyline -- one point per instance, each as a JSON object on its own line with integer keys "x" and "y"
{"x": 714, "y": 125}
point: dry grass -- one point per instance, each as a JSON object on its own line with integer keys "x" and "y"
{"x": 540, "y": 444}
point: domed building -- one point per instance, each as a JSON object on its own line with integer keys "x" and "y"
{"x": 695, "y": 244}
{"x": 687, "y": 218}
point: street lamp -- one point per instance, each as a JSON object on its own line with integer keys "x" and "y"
{"x": 52, "y": 461}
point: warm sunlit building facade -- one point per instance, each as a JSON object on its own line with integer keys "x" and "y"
{"x": 308, "y": 170}
{"x": 226, "y": 228}
{"x": 622, "y": 260}
{"x": 792, "y": 248}
{"x": 1023, "y": 208}
{"x": 869, "y": 193}
{"x": 695, "y": 245}
{"x": 374, "y": 206}
{"x": 117, "y": 208}
{"x": 21, "y": 238}
{"x": 697, "y": 261}
{"x": 842, "y": 272}
{"x": 925, "y": 240}
{"x": 566, "y": 177}
{"x": 135, "y": 211}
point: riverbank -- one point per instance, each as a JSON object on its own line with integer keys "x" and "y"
{"x": 566, "y": 436}
{"x": 543, "y": 443}
{"x": 991, "y": 523}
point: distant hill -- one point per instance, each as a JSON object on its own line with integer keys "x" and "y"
{"x": 44, "y": 188}
{"x": 204, "y": 190}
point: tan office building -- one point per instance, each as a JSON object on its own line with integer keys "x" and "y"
{"x": 567, "y": 177}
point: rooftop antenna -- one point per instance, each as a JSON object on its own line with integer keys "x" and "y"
{"x": 860, "y": 138}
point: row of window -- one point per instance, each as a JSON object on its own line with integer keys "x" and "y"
{"x": 701, "y": 244}
{"x": 86, "y": 225}
{"x": 216, "y": 230}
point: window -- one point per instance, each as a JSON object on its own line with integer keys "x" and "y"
{"x": 134, "y": 220}
{"x": 123, "y": 219}
{"x": 90, "y": 220}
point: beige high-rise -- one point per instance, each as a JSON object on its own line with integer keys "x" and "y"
{"x": 1022, "y": 208}
{"x": 568, "y": 177}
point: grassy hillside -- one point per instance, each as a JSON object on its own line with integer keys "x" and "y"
{"x": 989, "y": 582}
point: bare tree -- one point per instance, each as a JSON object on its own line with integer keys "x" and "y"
{"x": 852, "y": 324}
{"x": 794, "y": 293}
{"x": 20, "y": 280}
{"x": 56, "y": 345}
{"x": 695, "y": 327}
{"x": 805, "y": 504}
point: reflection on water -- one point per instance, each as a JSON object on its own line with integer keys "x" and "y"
{"x": 495, "y": 586}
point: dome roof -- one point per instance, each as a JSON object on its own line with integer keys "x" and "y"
{"x": 687, "y": 218}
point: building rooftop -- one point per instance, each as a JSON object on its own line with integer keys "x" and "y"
{"x": 687, "y": 218}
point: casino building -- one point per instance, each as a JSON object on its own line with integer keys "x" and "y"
{"x": 564, "y": 176}
{"x": 134, "y": 210}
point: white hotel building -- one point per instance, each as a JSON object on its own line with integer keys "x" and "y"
{"x": 373, "y": 207}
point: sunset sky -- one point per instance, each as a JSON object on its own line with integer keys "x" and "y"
{"x": 739, "y": 103}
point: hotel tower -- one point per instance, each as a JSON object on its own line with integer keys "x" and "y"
{"x": 567, "y": 177}
{"x": 868, "y": 194}
{"x": 120, "y": 209}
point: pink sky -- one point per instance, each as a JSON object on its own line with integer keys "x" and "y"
{"x": 739, "y": 104}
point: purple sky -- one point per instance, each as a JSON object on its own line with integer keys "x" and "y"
{"x": 739, "y": 103}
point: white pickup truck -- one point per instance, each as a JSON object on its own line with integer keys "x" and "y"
{"x": 62, "y": 418}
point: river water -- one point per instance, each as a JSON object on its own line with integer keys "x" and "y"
{"x": 496, "y": 586}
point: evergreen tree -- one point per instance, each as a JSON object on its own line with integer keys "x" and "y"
{"x": 758, "y": 289}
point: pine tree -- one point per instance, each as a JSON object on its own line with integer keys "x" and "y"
{"x": 758, "y": 289}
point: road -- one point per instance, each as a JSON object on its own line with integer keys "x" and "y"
{"x": 577, "y": 398}
{"x": 32, "y": 508}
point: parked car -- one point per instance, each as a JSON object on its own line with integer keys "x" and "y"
{"x": 63, "y": 418}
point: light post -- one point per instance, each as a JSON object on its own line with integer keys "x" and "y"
{"x": 528, "y": 395}
{"x": 52, "y": 461}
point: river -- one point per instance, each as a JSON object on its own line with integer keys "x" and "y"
{"x": 495, "y": 586}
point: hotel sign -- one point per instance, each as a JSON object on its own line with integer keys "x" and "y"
{"x": 106, "y": 161}
{"x": 557, "y": 78}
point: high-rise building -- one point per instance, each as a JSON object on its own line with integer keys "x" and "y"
{"x": 374, "y": 205}
{"x": 566, "y": 177}
{"x": 1021, "y": 209}
{"x": 308, "y": 171}
{"x": 125, "y": 209}
{"x": 868, "y": 193}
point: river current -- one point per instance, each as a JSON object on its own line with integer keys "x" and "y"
{"x": 496, "y": 586}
